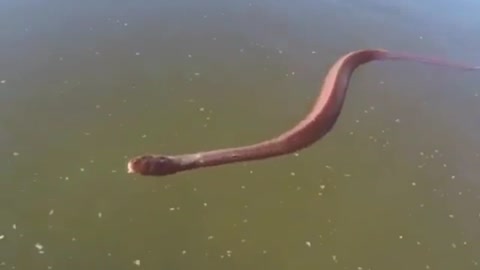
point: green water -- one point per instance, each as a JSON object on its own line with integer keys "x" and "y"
{"x": 85, "y": 85}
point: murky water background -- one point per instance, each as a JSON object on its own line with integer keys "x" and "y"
{"x": 85, "y": 85}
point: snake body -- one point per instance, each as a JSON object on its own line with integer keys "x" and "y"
{"x": 316, "y": 124}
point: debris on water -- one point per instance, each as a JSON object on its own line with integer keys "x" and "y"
{"x": 16, "y": 154}
{"x": 14, "y": 226}
{"x": 314, "y": 52}
{"x": 51, "y": 212}
{"x": 136, "y": 262}
{"x": 292, "y": 173}
{"x": 400, "y": 237}
{"x": 189, "y": 56}
{"x": 308, "y": 244}
{"x": 201, "y": 109}
{"x": 3, "y": 81}
{"x": 82, "y": 169}
{"x": 2, "y": 236}
{"x": 144, "y": 136}
{"x": 280, "y": 51}
{"x": 334, "y": 258}
{"x": 210, "y": 237}
{"x": 137, "y": 53}
{"x": 414, "y": 184}
{"x": 397, "y": 120}
{"x": 184, "y": 252}
{"x": 451, "y": 216}
{"x": 454, "y": 245}
{"x": 196, "y": 74}
{"x": 99, "y": 215}
{"x": 205, "y": 204}
{"x": 39, "y": 247}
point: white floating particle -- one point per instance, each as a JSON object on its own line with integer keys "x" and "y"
{"x": 381, "y": 82}
{"x": 243, "y": 187}
{"x": 136, "y": 262}
{"x": 242, "y": 50}
{"x": 210, "y": 237}
{"x": 205, "y": 204}
{"x": 314, "y": 52}
{"x": 414, "y": 184}
{"x": 420, "y": 37}
{"x": 3, "y": 81}
{"x": 400, "y": 237}
{"x": 322, "y": 186}
{"x": 334, "y": 258}
{"x": 454, "y": 245}
{"x": 2, "y": 236}
{"x": 16, "y": 154}
{"x": 125, "y": 24}
{"x": 264, "y": 251}
{"x": 308, "y": 244}
{"x": 51, "y": 212}
{"x": 280, "y": 51}
{"x": 82, "y": 169}
{"x": 451, "y": 216}
{"x": 418, "y": 243}
{"x": 189, "y": 56}
{"x": 184, "y": 252}
{"x": 14, "y": 226}
{"x": 74, "y": 239}
{"x": 292, "y": 173}
{"x": 137, "y": 53}
{"x": 172, "y": 208}
{"x": 201, "y": 109}
{"x": 144, "y": 136}
{"x": 243, "y": 241}
{"x": 38, "y": 246}
{"x": 397, "y": 120}
{"x": 99, "y": 215}
{"x": 196, "y": 74}
{"x": 453, "y": 177}
{"x": 427, "y": 266}
{"x": 245, "y": 220}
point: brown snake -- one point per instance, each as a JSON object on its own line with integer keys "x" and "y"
{"x": 318, "y": 122}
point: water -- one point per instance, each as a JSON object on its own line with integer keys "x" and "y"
{"x": 85, "y": 85}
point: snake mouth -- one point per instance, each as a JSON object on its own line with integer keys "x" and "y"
{"x": 130, "y": 167}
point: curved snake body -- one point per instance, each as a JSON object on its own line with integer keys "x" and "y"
{"x": 318, "y": 122}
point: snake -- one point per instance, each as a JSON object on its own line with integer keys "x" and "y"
{"x": 315, "y": 125}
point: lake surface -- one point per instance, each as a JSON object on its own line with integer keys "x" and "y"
{"x": 86, "y": 85}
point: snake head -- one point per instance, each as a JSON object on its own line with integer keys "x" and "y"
{"x": 157, "y": 165}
